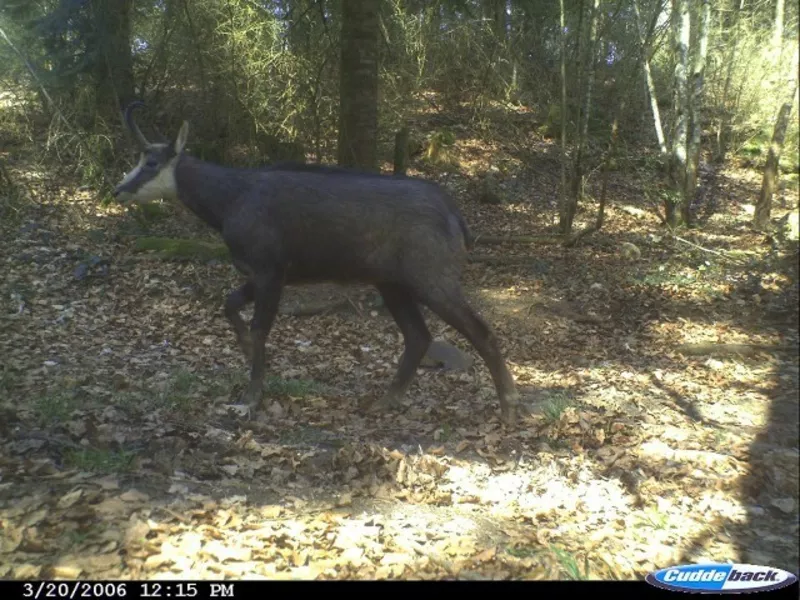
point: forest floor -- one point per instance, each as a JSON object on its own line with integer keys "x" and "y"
{"x": 662, "y": 392}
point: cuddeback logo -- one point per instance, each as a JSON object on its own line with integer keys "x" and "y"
{"x": 720, "y": 578}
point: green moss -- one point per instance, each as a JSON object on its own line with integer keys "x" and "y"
{"x": 174, "y": 248}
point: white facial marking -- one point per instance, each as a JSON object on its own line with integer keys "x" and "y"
{"x": 161, "y": 186}
{"x": 135, "y": 171}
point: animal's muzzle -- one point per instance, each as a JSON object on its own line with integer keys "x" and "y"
{"x": 122, "y": 193}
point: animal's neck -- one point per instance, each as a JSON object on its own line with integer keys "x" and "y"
{"x": 206, "y": 189}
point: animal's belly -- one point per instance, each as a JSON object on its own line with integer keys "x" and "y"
{"x": 327, "y": 271}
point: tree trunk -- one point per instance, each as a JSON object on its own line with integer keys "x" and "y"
{"x": 695, "y": 116}
{"x": 495, "y": 12}
{"x": 570, "y": 207}
{"x": 645, "y": 41}
{"x": 677, "y": 164}
{"x": 401, "y": 151}
{"x": 777, "y": 30}
{"x": 724, "y": 125}
{"x": 770, "y": 179}
{"x": 564, "y": 116}
{"x": 358, "y": 92}
{"x": 114, "y": 65}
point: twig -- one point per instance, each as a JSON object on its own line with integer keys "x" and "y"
{"x": 517, "y": 239}
{"x": 502, "y": 260}
{"x": 180, "y": 517}
{"x": 709, "y": 250}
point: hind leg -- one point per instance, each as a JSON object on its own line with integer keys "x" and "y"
{"x": 400, "y": 303}
{"x": 449, "y": 303}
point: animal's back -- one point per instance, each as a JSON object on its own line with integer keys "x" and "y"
{"x": 365, "y": 226}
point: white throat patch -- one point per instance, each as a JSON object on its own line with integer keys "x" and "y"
{"x": 161, "y": 186}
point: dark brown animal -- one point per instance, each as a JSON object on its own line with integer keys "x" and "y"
{"x": 289, "y": 224}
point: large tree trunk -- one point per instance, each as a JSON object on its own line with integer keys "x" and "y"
{"x": 570, "y": 207}
{"x": 695, "y": 116}
{"x": 677, "y": 163}
{"x": 770, "y": 179}
{"x": 114, "y": 64}
{"x": 358, "y": 92}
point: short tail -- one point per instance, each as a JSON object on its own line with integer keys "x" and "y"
{"x": 469, "y": 241}
{"x": 457, "y": 223}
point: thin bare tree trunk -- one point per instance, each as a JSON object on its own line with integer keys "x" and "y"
{"x": 724, "y": 125}
{"x": 695, "y": 115}
{"x": 571, "y": 205}
{"x": 677, "y": 168}
{"x": 651, "y": 86}
{"x": 771, "y": 171}
{"x": 48, "y": 100}
{"x": 563, "y": 199}
{"x": 777, "y": 29}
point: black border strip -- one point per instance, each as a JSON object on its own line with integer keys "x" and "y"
{"x": 174, "y": 589}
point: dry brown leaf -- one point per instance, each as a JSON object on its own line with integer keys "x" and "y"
{"x": 70, "y": 498}
{"x": 36, "y": 517}
{"x": 134, "y": 495}
{"x": 113, "y": 507}
{"x": 137, "y": 532}
{"x": 486, "y": 555}
{"x": 66, "y": 571}
{"x": 222, "y": 553}
{"x": 154, "y": 561}
{"x": 101, "y": 561}
{"x": 272, "y": 511}
{"x": 27, "y": 571}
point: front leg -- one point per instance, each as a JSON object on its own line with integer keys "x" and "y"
{"x": 267, "y": 296}
{"x": 234, "y": 303}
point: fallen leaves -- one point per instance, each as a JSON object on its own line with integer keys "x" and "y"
{"x": 119, "y": 456}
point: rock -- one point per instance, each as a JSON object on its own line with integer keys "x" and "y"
{"x": 630, "y": 251}
{"x": 489, "y": 191}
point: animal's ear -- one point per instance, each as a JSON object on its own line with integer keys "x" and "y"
{"x": 180, "y": 142}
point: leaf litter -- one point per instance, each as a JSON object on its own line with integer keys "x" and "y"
{"x": 119, "y": 457}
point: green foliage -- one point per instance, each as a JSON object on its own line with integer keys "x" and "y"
{"x": 99, "y": 460}
{"x": 182, "y": 248}
{"x": 569, "y": 563}
{"x": 56, "y": 406}
{"x": 439, "y": 148}
{"x": 555, "y": 405}
{"x": 259, "y": 81}
{"x": 294, "y": 388}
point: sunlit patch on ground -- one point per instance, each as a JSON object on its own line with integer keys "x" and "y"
{"x": 652, "y": 435}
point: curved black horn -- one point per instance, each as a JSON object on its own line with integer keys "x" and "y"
{"x": 132, "y": 124}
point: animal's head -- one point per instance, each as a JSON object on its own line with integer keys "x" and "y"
{"x": 154, "y": 177}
